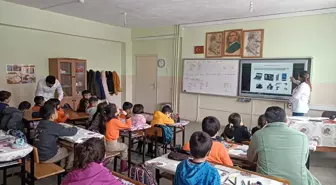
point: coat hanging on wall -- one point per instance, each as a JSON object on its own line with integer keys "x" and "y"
{"x": 95, "y": 83}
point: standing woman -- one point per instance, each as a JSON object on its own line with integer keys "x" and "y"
{"x": 301, "y": 94}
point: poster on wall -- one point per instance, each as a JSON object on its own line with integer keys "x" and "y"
{"x": 20, "y": 73}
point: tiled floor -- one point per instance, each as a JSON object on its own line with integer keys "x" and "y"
{"x": 323, "y": 165}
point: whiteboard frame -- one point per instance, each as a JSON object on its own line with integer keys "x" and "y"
{"x": 270, "y": 97}
{"x": 238, "y": 60}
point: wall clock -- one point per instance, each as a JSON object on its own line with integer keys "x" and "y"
{"x": 161, "y": 63}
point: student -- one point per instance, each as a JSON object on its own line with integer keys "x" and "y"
{"x": 138, "y": 120}
{"x": 197, "y": 171}
{"x": 281, "y": 151}
{"x": 24, "y": 106}
{"x": 235, "y": 130}
{"x": 5, "y": 98}
{"x": 61, "y": 117}
{"x": 218, "y": 153}
{"x": 261, "y": 124}
{"x": 47, "y": 134}
{"x": 97, "y": 123}
{"x": 84, "y": 102}
{"x": 127, "y": 107}
{"x": 92, "y": 108}
{"x": 113, "y": 125}
{"x": 160, "y": 118}
{"x": 11, "y": 117}
{"x": 88, "y": 168}
{"x": 39, "y": 102}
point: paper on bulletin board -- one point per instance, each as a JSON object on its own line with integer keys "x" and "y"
{"x": 20, "y": 74}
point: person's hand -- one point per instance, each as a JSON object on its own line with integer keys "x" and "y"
{"x": 128, "y": 116}
{"x": 292, "y": 79}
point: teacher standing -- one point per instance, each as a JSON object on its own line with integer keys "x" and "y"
{"x": 47, "y": 87}
{"x": 301, "y": 94}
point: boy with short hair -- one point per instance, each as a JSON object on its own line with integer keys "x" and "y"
{"x": 197, "y": 171}
{"x": 127, "y": 107}
{"x": 218, "y": 153}
{"x": 5, "y": 98}
{"x": 84, "y": 102}
{"x": 47, "y": 134}
{"x": 61, "y": 116}
{"x": 92, "y": 108}
{"x": 39, "y": 102}
{"x": 11, "y": 117}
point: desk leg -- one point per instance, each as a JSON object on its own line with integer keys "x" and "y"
{"x": 183, "y": 136}
{"x": 143, "y": 146}
{"x": 157, "y": 176}
{"x": 308, "y": 161}
{"x": 129, "y": 151}
{"x": 32, "y": 169}
{"x": 174, "y": 142}
{"x": 4, "y": 174}
{"x": 23, "y": 171}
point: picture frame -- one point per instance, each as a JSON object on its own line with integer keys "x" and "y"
{"x": 253, "y": 42}
{"x": 214, "y": 45}
{"x": 232, "y": 40}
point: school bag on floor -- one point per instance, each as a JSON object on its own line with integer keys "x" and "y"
{"x": 141, "y": 174}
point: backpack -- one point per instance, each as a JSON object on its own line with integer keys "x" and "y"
{"x": 141, "y": 174}
{"x": 18, "y": 135}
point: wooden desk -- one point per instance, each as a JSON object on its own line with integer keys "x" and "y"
{"x": 27, "y": 116}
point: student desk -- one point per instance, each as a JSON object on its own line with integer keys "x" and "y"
{"x": 76, "y": 116}
{"x": 226, "y": 173}
{"x": 135, "y": 133}
{"x": 10, "y": 157}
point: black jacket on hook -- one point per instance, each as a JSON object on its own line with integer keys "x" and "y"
{"x": 109, "y": 81}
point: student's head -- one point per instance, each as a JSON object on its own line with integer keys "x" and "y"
{"x": 304, "y": 77}
{"x": 48, "y": 112}
{"x": 138, "y": 109}
{"x": 127, "y": 107}
{"x": 111, "y": 111}
{"x": 54, "y": 102}
{"x": 167, "y": 110}
{"x": 210, "y": 125}
{"x": 93, "y": 101}
{"x": 100, "y": 111}
{"x": 261, "y": 121}
{"x": 50, "y": 81}
{"x": 39, "y": 100}
{"x": 23, "y": 106}
{"x": 200, "y": 144}
{"x": 275, "y": 114}
{"x": 5, "y": 96}
{"x": 235, "y": 120}
{"x": 86, "y": 94}
{"x": 92, "y": 150}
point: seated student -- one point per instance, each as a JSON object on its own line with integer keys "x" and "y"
{"x": 97, "y": 124}
{"x": 138, "y": 120}
{"x": 197, "y": 171}
{"x": 261, "y": 124}
{"x": 46, "y": 136}
{"x": 39, "y": 102}
{"x": 88, "y": 168}
{"x": 61, "y": 117}
{"x": 281, "y": 151}
{"x": 92, "y": 108}
{"x": 235, "y": 130}
{"x": 218, "y": 153}
{"x": 160, "y": 118}
{"x": 113, "y": 125}
{"x": 11, "y": 117}
{"x": 5, "y": 98}
{"x": 84, "y": 102}
{"x": 127, "y": 109}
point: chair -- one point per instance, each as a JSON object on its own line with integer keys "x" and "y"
{"x": 115, "y": 156}
{"x": 37, "y": 170}
{"x": 328, "y": 114}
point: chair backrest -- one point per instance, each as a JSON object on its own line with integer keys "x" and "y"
{"x": 35, "y": 154}
{"x": 328, "y": 114}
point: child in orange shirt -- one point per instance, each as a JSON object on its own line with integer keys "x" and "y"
{"x": 127, "y": 107}
{"x": 113, "y": 126}
{"x": 218, "y": 153}
{"x": 39, "y": 102}
{"x": 61, "y": 117}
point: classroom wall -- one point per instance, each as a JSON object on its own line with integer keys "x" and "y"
{"x": 308, "y": 36}
{"x": 153, "y": 42}
{"x": 31, "y": 36}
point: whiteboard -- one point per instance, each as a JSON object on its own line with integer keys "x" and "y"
{"x": 211, "y": 76}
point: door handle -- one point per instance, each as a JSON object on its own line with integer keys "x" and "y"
{"x": 154, "y": 85}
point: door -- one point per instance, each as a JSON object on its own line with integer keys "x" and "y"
{"x": 145, "y": 83}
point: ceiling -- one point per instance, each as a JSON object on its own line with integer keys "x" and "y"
{"x": 150, "y": 13}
